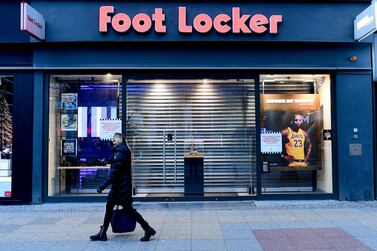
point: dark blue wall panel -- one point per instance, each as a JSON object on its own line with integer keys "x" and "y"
{"x": 228, "y": 55}
{"x": 354, "y": 110}
{"x": 22, "y": 137}
{"x": 12, "y": 55}
{"x": 305, "y": 21}
{"x": 10, "y": 23}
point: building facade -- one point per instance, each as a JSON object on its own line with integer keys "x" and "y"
{"x": 218, "y": 101}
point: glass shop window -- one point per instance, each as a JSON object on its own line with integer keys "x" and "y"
{"x": 84, "y": 113}
{"x": 6, "y": 135}
{"x": 296, "y": 137}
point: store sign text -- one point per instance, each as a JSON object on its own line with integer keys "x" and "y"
{"x": 202, "y": 23}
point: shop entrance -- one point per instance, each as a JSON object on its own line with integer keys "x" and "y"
{"x": 192, "y": 137}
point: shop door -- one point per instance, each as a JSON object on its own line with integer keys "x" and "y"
{"x": 215, "y": 119}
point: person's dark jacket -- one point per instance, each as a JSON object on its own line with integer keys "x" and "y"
{"x": 120, "y": 177}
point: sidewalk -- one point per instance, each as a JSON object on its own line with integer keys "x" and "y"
{"x": 262, "y": 225}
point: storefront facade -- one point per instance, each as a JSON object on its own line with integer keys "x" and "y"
{"x": 218, "y": 101}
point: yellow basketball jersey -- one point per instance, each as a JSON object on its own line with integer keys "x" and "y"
{"x": 296, "y": 144}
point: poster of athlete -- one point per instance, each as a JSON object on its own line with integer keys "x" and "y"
{"x": 297, "y": 118}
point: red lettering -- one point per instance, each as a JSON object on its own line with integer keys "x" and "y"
{"x": 274, "y": 20}
{"x": 257, "y": 23}
{"x": 239, "y": 21}
{"x": 159, "y": 17}
{"x": 142, "y": 22}
{"x": 182, "y": 27}
{"x": 104, "y": 19}
{"x": 220, "y": 23}
{"x": 121, "y": 22}
{"x": 203, "y": 23}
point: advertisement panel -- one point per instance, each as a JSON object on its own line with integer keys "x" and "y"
{"x": 293, "y": 122}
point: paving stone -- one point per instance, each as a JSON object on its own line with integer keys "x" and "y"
{"x": 291, "y": 224}
{"x": 37, "y": 245}
{"x": 177, "y": 219}
{"x": 93, "y": 220}
{"x": 48, "y": 236}
{"x": 207, "y": 234}
{"x": 262, "y": 218}
{"x": 235, "y": 226}
{"x": 173, "y": 245}
{"x": 319, "y": 224}
{"x": 243, "y": 245}
{"x": 104, "y": 245}
{"x": 238, "y": 234}
{"x": 62, "y": 228}
{"x": 33, "y": 229}
{"x": 178, "y": 226}
{"x": 346, "y": 223}
{"x": 208, "y": 245}
{"x": 71, "y": 221}
{"x": 231, "y": 219}
{"x": 10, "y": 245}
{"x": 5, "y": 228}
{"x": 175, "y": 235}
{"x": 16, "y": 237}
{"x": 70, "y": 245}
{"x": 311, "y": 243}
{"x": 230, "y": 212}
{"x": 276, "y": 243}
{"x": 269, "y": 234}
{"x": 369, "y": 241}
{"x": 300, "y": 233}
{"x": 262, "y": 225}
{"x": 17, "y": 221}
{"x": 330, "y": 232}
{"x": 283, "y": 218}
{"x": 206, "y": 226}
{"x": 205, "y": 219}
{"x": 47, "y": 221}
{"x": 139, "y": 246}
{"x": 343, "y": 242}
{"x": 358, "y": 231}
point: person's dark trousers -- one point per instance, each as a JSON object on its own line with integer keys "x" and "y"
{"x": 127, "y": 206}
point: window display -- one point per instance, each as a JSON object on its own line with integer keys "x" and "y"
{"x": 6, "y": 135}
{"x": 84, "y": 110}
{"x": 295, "y": 112}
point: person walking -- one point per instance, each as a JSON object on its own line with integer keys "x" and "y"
{"x": 120, "y": 179}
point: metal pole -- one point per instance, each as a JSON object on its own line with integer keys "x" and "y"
{"x": 164, "y": 154}
{"x": 175, "y": 156}
{"x": 374, "y": 73}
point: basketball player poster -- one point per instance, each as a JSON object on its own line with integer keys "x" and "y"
{"x": 296, "y": 119}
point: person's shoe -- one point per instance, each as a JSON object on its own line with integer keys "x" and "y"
{"x": 101, "y": 236}
{"x": 148, "y": 234}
